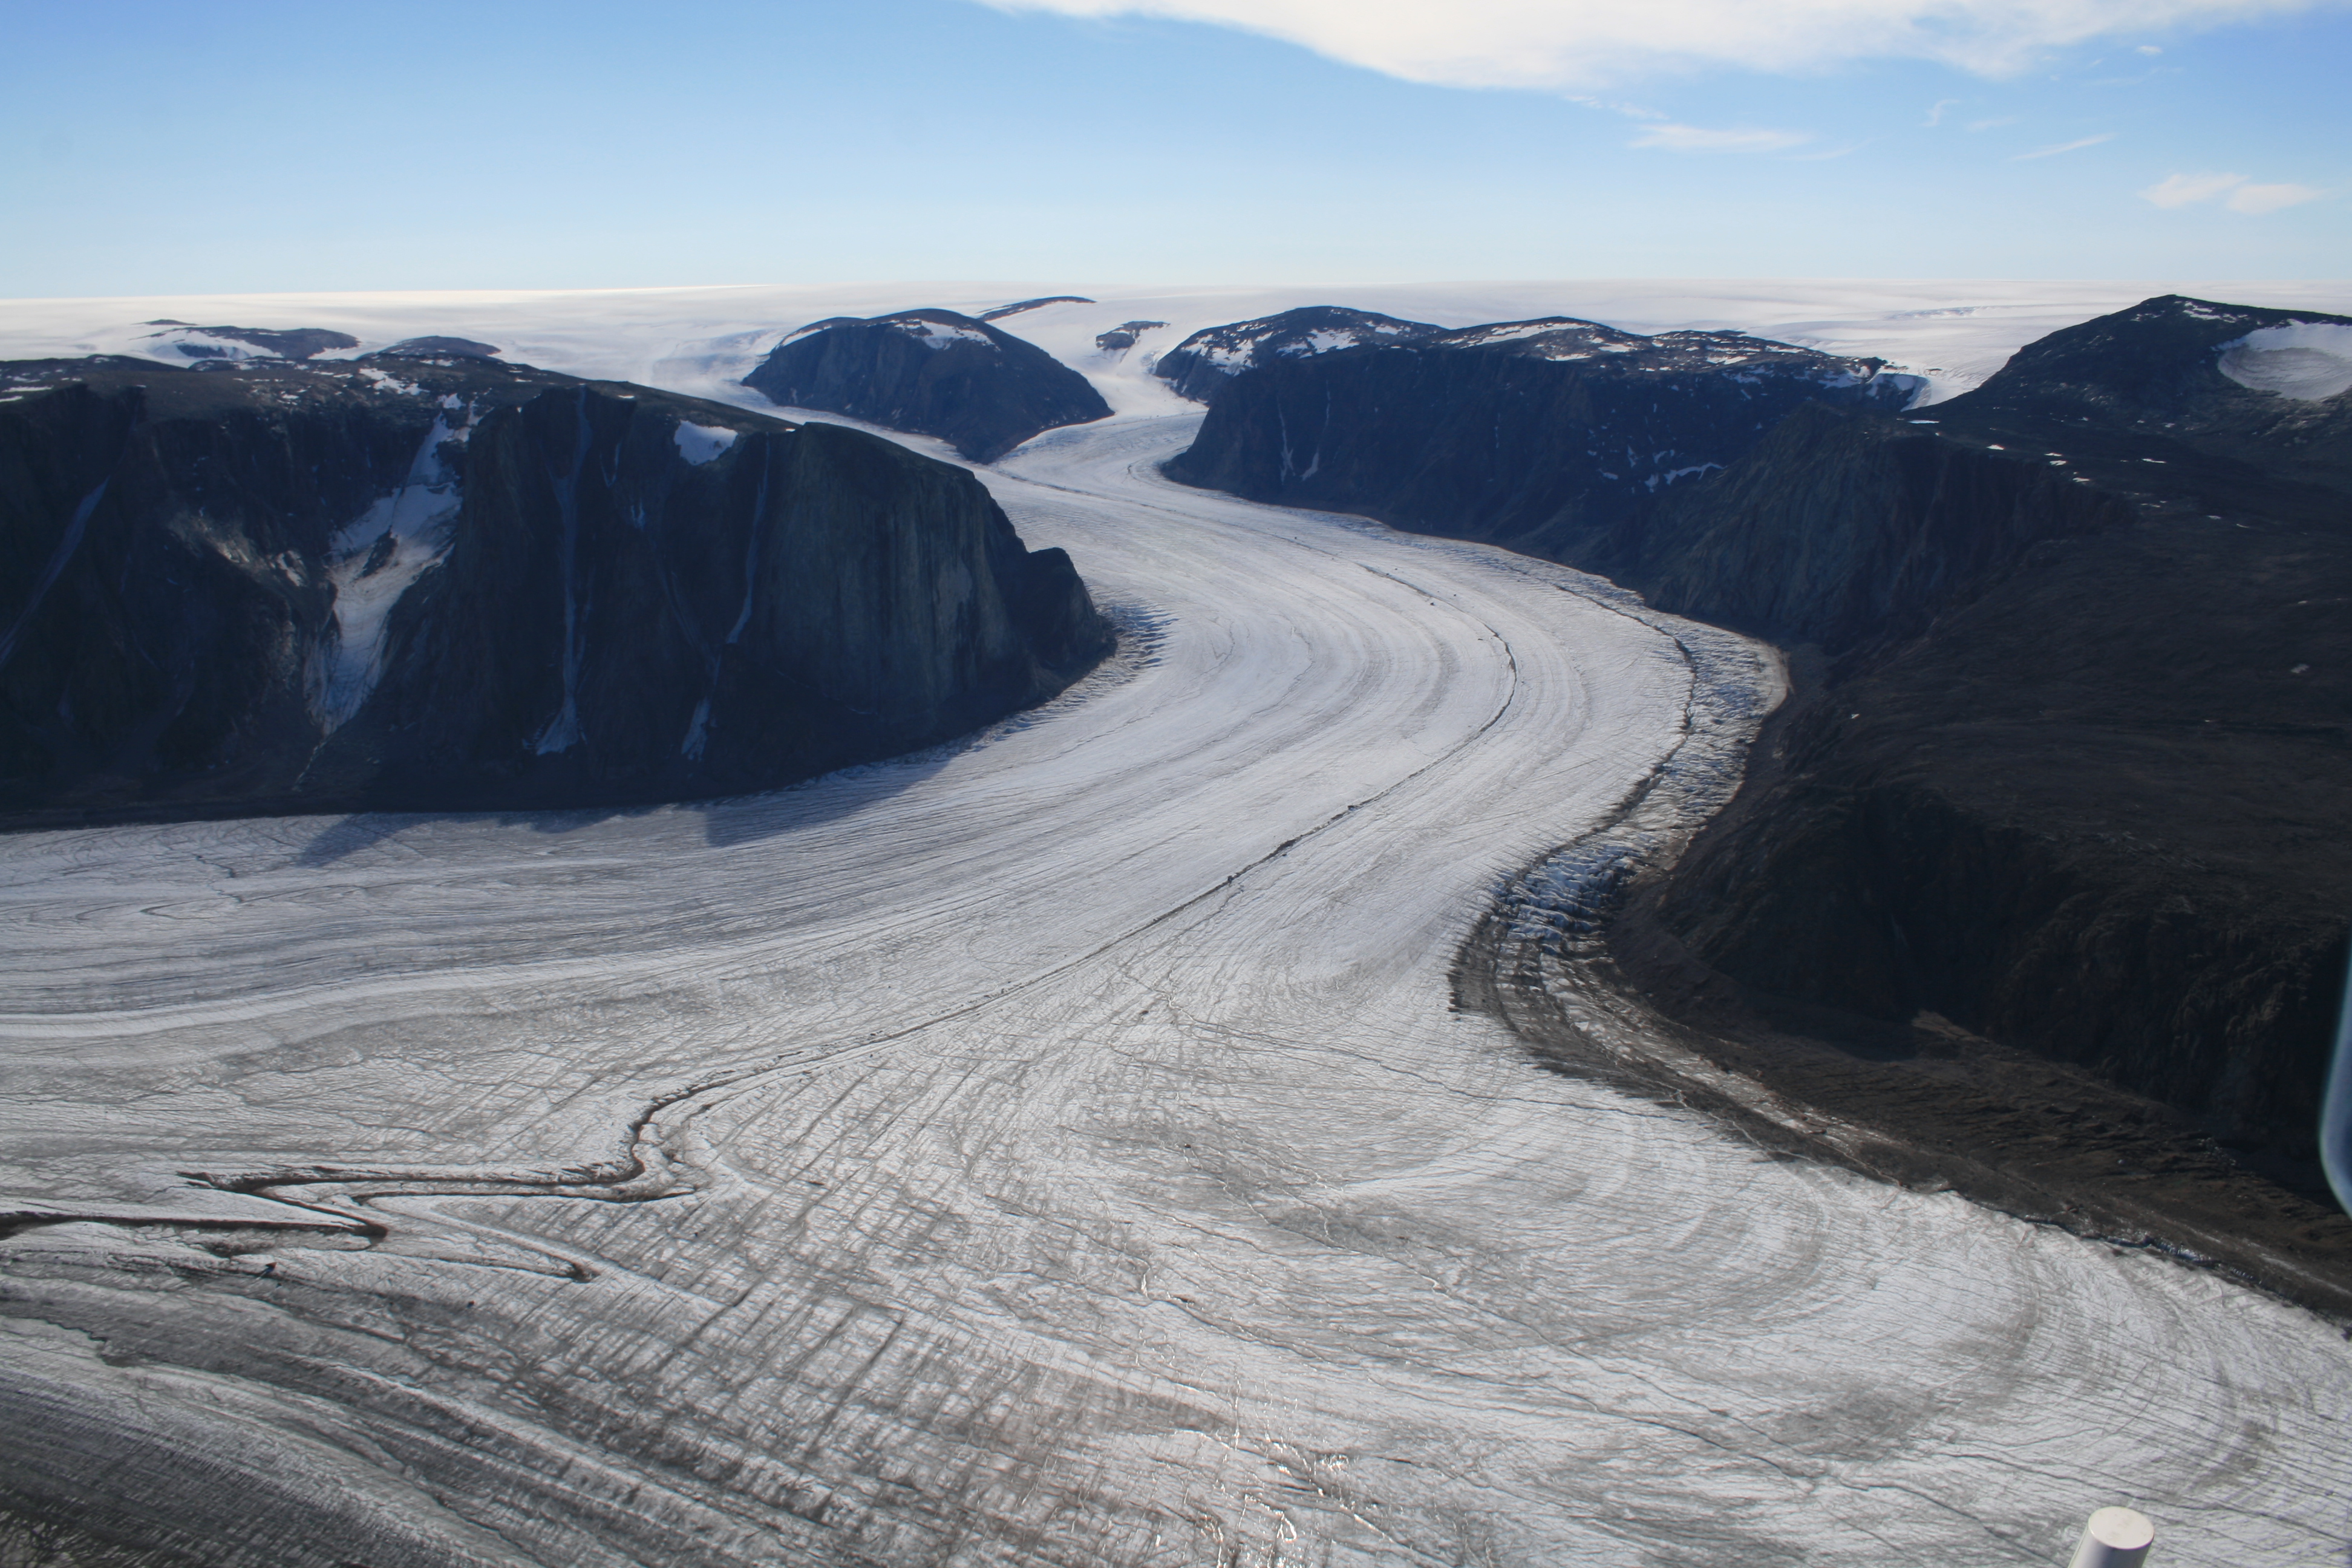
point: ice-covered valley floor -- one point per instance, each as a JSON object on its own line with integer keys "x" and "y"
{"x": 1059, "y": 1149}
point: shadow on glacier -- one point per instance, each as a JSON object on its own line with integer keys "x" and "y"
{"x": 727, "y": 822}
{"x": 732, "y": 820}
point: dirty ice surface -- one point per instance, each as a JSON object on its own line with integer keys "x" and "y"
{"x": 1058, "y": 1149}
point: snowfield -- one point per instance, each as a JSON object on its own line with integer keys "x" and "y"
{"x": 1059, "y": 1148}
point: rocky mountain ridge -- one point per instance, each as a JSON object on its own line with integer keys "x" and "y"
{"x": 1201, "y": 365}
{"x": 935, "y": 373}
{"x": 1541, "y": 434}
{"x": 425, "y": 581}
{"x": 2092, "y": 798}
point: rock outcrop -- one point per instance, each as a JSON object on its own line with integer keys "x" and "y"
{"x": 444, "y": 348}
{"x": 1121, "y": 338}
{"x": 179, "y": 340}
{"x": 1544, "y": 435}
{"x": 1018, "y": 306}
{"x": 934, "y": 372}
{"x": 2090, "y": 796}
{"x": 1201, "y": 365}
{"x": 1838, "y": 528}
{"x": 449, "y": 583}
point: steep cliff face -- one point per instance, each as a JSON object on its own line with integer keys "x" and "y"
{"x": 1200, "y": 366}
{"x": 446, "y": 582}
{"x": 2097, "y": 812}
{"x": 1541, "y": 434}
{"x": 1839, "y": 528}
{"x": 2095, "y": 798}
{"x": 931, "y": 372}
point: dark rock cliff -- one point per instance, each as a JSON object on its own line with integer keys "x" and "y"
{"x": 2094, "y": 796}
{"x": 934, "y": 372}
{"x": 414, "y": 581}
{"x": 1544, "y": 436}
{"x": 1839, "y": 528}
{"x": 1200, "y": 366}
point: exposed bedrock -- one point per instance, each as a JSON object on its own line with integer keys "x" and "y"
{"x": 1202, "y": 364}
{"x": 244, "y": 342}
{"x": 1018, "y": 306}
{"x": 1840, "y": 527}
{"x": 1544, "y": 436}
{"x": 2095, "y": 801}
{"x": 452, "y": 584}
{"x": 934, "y": 372}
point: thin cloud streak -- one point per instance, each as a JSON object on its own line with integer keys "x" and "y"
{"x": 2180, "y": 190}
{"x": 2256, "y": 200}
{"x": 1698, "y": 139}
{"x": 2063, "y": 147}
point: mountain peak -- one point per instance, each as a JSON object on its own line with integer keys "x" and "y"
{"x": 932, "y": 371}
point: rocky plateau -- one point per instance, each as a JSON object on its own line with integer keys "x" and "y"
{"x": 427, "y": 579}
{"x": 933, "y": 372}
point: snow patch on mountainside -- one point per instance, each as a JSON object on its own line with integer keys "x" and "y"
{"x": 939, "y": 335}
{"x": 2305, "y": 360}
{"x": 376, "y": 559}
{"x": 698, "y": 444}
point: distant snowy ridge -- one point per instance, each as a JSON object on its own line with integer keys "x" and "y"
{"x": 1199, "y": 367}
{"x": 702, "y": 341}
{"x": 179, "y": 342}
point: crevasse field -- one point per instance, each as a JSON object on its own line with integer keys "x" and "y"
{"x": 1059, "y": 1148}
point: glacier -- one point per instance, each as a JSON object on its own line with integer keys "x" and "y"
{"x": 1062, "y": 1146}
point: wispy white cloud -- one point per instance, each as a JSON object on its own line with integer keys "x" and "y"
{"x": 1568, "y": 44}
{"x": 1936, "y": 115}
{"x": 2064, "y": 147}
{"x": 2180, "y": 190}
{"x": 2259, "y": 199}
{"x": 1699, "y": 139}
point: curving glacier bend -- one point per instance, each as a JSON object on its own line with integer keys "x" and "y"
{"x": 1059, "y": 1149}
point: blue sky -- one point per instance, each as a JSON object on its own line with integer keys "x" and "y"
{"x": 227, "y": 146}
